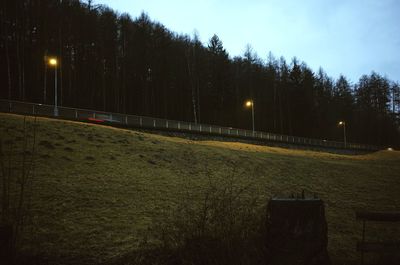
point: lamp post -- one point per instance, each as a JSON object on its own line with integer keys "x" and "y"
{"x": 250, "y": 103}
{"x": 343, "y": 123}
{"x": 53, "y": 62}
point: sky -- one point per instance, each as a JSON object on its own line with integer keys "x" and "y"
{"x": 349, "y": 37}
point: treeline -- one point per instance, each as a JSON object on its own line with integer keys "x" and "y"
{"x": 112, "y": 62}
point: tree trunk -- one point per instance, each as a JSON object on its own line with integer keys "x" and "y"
{"x": 45, "y": 78}
{"x": 104, "y": 84}
{"x": 198, "y": 99}
{"x": 23, "y": 70}
{"x": 275, "y": 107}
{"x": 18, "y": 58}
{"x": 61, "y": 66}
{"x": 7, "y": 52}
{"x": 192, "y": 88}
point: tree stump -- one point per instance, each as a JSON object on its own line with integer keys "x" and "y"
{"x": 297, "y": 232}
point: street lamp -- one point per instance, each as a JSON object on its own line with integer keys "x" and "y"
{"x": 53, "y": 62}
{"x": 343, "y": 123}
{"x": 250, "y": 103}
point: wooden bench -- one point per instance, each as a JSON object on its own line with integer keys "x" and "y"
{"x": 377, "y": 247}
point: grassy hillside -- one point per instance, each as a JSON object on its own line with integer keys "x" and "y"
{"x": 98, "y": 190}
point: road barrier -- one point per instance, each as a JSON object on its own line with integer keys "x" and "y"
{"x": 119, "y": 119}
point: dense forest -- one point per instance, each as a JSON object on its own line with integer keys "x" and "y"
{"x": 113, "y": 62}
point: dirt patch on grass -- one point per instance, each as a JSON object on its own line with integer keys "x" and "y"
{"x": 47, "y": 144}
{"x": 60, "y": 137}
{"x": 68, "y": 149}
{"x": 45, "y": 156}
{"x": 90, "y": 158}
{"x": 151, "y": 162}
{"x": 123, "y": 141}
{"x": 66, "y": 158}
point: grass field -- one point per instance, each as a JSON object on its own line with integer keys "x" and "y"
{"x": 98, "y": 190}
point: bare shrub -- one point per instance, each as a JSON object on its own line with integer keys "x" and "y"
{"x": 17, "y": 167}
{"x": 222, "y": 225}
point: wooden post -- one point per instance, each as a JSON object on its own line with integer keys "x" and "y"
{"x": 363, "y": 240}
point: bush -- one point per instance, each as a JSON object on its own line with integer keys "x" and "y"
{"x": 223, "y": 225}
{"x": 16, "y": 175}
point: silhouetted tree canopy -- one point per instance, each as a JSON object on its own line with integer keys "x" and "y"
{"x": 113, "y": 62}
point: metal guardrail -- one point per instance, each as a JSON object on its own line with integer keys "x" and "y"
{"x": 165, "y": 124}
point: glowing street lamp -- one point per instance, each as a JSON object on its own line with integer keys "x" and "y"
{"x": 343, "y": 123}
{"x": 53, "y": 62}
{"x": 250, "y": 103}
